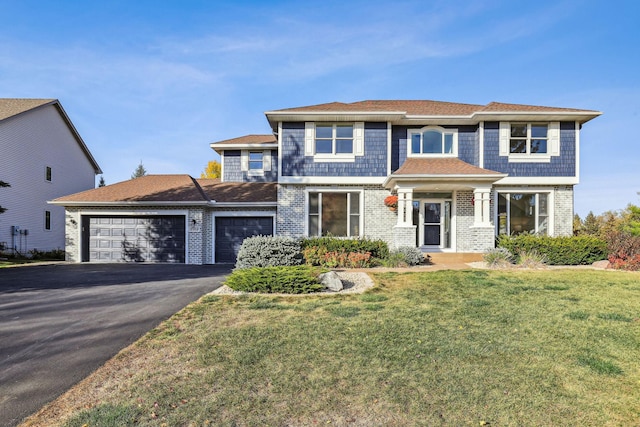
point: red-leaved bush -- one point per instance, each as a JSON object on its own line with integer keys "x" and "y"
{"x": 624, "y": 250}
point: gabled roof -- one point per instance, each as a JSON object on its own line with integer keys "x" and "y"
{"x": 172, "y": 190}
{"x": 438, "y": 169}
{"x": 427, "y": 112}
{"x": 11, "y": 107}
{"x": 247, "y": 141}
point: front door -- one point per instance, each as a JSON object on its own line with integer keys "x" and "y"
{"x": 435, "y": 226}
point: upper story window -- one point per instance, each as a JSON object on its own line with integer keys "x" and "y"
{"x": 433, "y": 141}
{"x": 255, "y": 163}
{"x": 47, "y": 220}
{"x": 528, "y": 138}
{"x": 47, "y": 173}
{"x": 338, "y": 142}
{"x": 334, "y": 138}
{"x": 529, "y": 142}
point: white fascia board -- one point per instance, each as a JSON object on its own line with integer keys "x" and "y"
{"x": 580, "y": 116}
{"x": 217, "y": 146}
{"x": 113, "y": 212}
{"x": 346, "y": 180}
{"x": 442, "y": 178}
{"x": 538, "y": 180}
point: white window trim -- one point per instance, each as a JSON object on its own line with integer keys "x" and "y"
{"x": 550, "y": 206}
{"x": 333, "y": 190}
{"x": 266, "y": 162}
{"x": 440, "y": 129}
{"x": 553, "y": 143}
{"x": 310, "y": 144}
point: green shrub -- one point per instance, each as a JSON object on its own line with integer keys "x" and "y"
{"x": 410, "y": 255}
{"x": 531, "y": 259}
{"x": 565, "y": 250}
{"x": 55, "y": 254}
{"x": 299, "y": 279}
{"x": 377, "y": 248}
{"x": 269, "y": 251}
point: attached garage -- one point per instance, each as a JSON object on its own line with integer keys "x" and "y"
{"x": 231, "y": 231}
{"x": 134, "y": 238}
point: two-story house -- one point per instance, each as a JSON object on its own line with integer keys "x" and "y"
{"x": 462, "y": 174}
{"x": 42, "y": 156}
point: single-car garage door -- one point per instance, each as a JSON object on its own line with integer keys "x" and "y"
{"x": 231, "y": 231}
{"x": 134, "y": 238}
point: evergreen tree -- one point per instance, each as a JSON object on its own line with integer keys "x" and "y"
{"x": 577, "y": 225}
{"x": 101, "y": 183}
{"x": 591, "y": 224}
{"x": 140, "y": 171}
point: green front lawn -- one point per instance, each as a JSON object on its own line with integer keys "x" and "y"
{"x": 543, "y": 348}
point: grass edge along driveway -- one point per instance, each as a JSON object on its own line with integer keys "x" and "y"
{"x": 449, "y": 348}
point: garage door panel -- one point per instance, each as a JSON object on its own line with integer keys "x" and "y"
{"x": 145, "y": 238}
{"x": 231, "y": 231}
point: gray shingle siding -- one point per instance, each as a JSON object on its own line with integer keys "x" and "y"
{"x": 233, "y": 169}
{"x": 562, "y": 165}
{"x": 373, "y": 163}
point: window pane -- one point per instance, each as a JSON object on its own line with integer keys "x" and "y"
{"x": 518, "y": 146}
{"x": 334, "y": 214}
{"x": 522, "y": 216}
{"x": 432, "y": 142}
{"x": 519, "y": 130}
{"x": 344, "y": 146}
{"x": 324, "y": 131}
{"x": 255, "y": 155}
{"x": 313, "y": 225}
{"x": 255, "y": 165}
{"x": 503, "y": 226}
{"x": 313, "y": 203}
{"x": 448, "y": 143}
{"x": 539, "y": 146}
{"x": 538, "y": 131}
{"x": 415, "y": 143}
{"x": 355, "y": 203}
{"x": 354, "y": 230}
{"x": 344, "y": 131}
{"x": 323, "y": 146}
{"x": 542, "y": 203}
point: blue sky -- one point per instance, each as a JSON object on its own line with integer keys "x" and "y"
{"x": 157, "y": 81}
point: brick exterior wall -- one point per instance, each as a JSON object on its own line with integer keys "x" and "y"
{"x": 563, "y": 208}
{"x": 378, "y": 219}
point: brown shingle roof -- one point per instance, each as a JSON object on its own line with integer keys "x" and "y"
{"x": 440, "y": 166}
{"x": 10, "y": 107}
{"x": 239, "y": 192}
{"x": 249, "y": 139}
{"x": 174, "y": 188}
{"x": 149, "y": 188}
{"x": 425, "y": 107}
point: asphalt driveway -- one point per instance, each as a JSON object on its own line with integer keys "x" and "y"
{"x": 60, "y": 322}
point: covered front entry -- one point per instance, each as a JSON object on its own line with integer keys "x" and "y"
{"x": 231, "y": 231}
{"x": 125, "y": 238}
{"x": 433, "y": 218}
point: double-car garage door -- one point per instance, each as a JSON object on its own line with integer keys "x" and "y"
{"x": 162, "y": 238}
{"x": 134, "y": 238}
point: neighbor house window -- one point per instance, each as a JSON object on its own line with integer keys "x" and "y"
{"x": 47, "y": 173}
{"x": 47, "y": 220}
{"x": 528, "y": 138}
{"x": 523, "y": 213}
{"x": 334, "y": 138}
{"x": 334, "y": 213}
{"x": 433, "y": 141}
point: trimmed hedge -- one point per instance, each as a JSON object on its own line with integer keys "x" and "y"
{"x": 269, "y": 251}
{"x": 564, "y": 250}
{"x": 299, "y": 279}
{"x": 377, "y": 248}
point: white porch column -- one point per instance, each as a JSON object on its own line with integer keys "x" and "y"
{"x": 405, "y": 206}
{"x": 482, "y": 207}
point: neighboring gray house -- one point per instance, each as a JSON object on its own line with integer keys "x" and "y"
{"x": 42, "y": 157}
{"x": 462, "y": 174}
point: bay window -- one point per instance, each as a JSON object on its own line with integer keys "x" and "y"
{"x": 334, "y": 213}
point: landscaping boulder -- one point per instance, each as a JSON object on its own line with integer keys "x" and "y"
{"x": 604, "y": 264}
{"x": 331, "y": 281}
